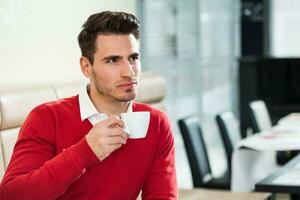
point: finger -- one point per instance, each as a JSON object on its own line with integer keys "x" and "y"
{"x": 117, "y": 131}
{"x": 107, "y": 141}
{"x": 115, "y": 147}
{"x": 113, "y": 121}
{"x": 116, "y": 140}
{"x": 119, "y": 124}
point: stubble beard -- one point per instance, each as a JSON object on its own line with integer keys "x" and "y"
{"x": 128, "y": 96}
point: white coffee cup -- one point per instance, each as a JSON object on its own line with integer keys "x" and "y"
{"x": 136, "y": 123}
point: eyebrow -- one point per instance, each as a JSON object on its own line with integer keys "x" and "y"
{"x": 111, "y": 57}
{"x": 134, "y": 54}
{"x": 115, "y": 57}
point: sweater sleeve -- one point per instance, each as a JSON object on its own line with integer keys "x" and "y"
{"x": 161, "y": 181}
{"x": 35, "y": 171}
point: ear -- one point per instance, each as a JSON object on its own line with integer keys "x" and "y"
{"x": 86, "y": 66}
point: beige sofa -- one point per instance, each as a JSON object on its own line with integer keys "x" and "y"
{"x": 17, "y": 101}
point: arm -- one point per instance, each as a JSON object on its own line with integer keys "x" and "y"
{"x": 34, "y": 171}
{"x": 161, "y": 181}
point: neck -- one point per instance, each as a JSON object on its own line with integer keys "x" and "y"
{"x": 108, "y": 105}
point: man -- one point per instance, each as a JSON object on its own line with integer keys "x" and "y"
{"x": 64, "y": 150}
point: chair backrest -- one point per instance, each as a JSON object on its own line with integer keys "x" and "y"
{"x": 260, "y": 116}
{"x": 230, "y": 133}
{"x": 64, "y": 90}
{"x": 2, "y": 168}
{"x": 15, "y": 104}
{"x": 196, "y": 150}
{"x": 152, "y": 90}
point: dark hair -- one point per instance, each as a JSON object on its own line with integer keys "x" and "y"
{"x": 105, "y": 23}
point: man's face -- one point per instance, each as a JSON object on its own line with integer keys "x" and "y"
{"x": 116, "y": 67}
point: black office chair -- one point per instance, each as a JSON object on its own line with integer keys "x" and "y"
{"x": 230, "y": 134}
{"x": 198, "y": 157}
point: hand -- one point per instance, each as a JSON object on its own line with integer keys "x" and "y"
{"x": 106, "y": 136}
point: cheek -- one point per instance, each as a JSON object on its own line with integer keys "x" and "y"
{"x": 107, "y": 78}
{"x": 100, "y": 77}
{"x": 102, "y": 73}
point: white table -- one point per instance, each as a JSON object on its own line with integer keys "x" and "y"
{"x": 284, "y": 180}
{"x": 254, "y": 158}
{"x": 213, "y": 194}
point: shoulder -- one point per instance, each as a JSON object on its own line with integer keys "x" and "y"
{"x": 44, "y": 117}
{"x": 57, "y": 106}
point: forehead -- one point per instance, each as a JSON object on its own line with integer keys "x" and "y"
{"x": 116, "y": 44}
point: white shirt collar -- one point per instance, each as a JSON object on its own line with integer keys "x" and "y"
{"x": 88, "y": 110}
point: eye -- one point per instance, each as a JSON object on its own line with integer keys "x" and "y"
{"x": 112, "y": 60}
{"x": 133, "y": 58}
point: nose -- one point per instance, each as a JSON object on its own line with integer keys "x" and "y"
{"x": 128, "y": 70}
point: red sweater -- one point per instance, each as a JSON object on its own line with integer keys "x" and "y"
{"x": 52, "y": 160}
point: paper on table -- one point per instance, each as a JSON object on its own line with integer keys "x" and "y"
{"x": 291, "y": 117}
{"x": 272, "y": 141}
{"x": 291, "y": 122}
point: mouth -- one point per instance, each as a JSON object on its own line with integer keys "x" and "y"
{"x": 128, "y": 85}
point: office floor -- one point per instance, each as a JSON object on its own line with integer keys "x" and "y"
{"x": 282, "y": 197}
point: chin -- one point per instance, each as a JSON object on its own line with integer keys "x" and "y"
{"x": 127, "y": 97}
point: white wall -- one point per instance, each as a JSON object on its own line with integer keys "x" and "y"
{"x": 38, "y": 39}
{"x": 284, "y": 28}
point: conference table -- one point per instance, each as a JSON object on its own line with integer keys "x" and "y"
{"x": 284, "y": 180}
{"x": 211, "y": 194}
{"x": 254, "y": 158}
